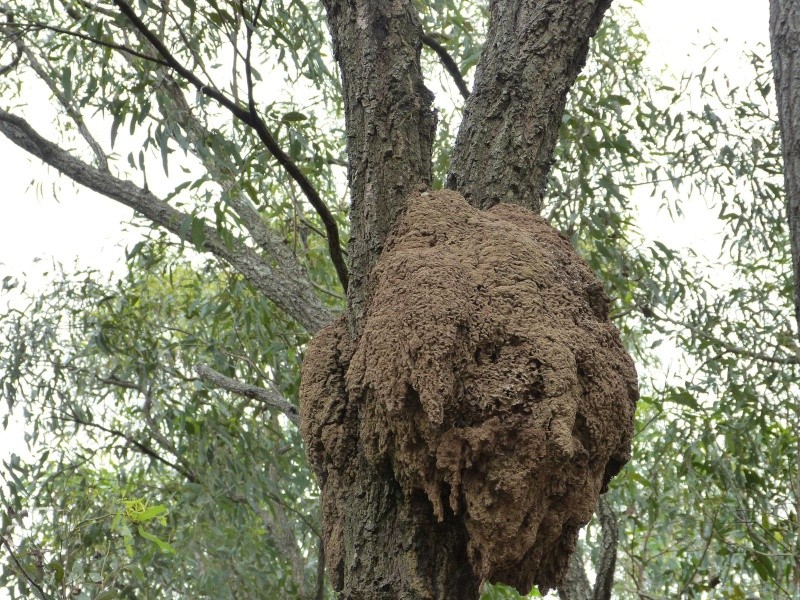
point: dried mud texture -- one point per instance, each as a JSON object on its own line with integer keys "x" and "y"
{"x": 487, "y": 376}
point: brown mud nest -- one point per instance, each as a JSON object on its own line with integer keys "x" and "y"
{"x": 487, "y": 376}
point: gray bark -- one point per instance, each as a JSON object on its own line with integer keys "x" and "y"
{"x": 785, "y": 39}
{"x": 394, "y": 546}
{"x": 784, "y": 26}
{"x": 389, "y": 120}
{"x": 293, "y": 295}
{"x": 533, "y": 53}
{"x": 576, "y": 584}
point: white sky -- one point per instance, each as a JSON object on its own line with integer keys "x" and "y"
{"x": 86, "y": 227}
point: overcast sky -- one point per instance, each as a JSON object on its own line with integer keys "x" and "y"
{"x": 86, "y": 227}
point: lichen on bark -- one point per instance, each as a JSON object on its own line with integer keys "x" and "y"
{"x": 487, "y": 385}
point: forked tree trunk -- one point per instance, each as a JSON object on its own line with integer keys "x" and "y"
{"x": 393, "y": 546}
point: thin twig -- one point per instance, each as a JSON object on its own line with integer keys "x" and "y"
{"x": 14, "y": 61}
{"x": 731, "y": 348}
{"x": 143, "y": 448}
{"x": 69, "y": 108}
{"x": 448, "y": 63}
{"x": 33, "y": 26}
{"x": 255, "y": 122}
{"x": 24, "y": 572}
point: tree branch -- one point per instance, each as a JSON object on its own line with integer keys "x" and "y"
{"x": 294, "y": 297}
{"x": 576, "y": 584}
{"x": 607, "y": 561}
{"x": 727, "y": 346}
{"x": 250, "y": 117}
{"x": 5, "y": 69}
{"x": 34, "y": 26}
{"x": 531, "y": 58}
{"x": 24, "y": 572}
{"x": 176, "y": 109}
{"x": 448, "y": 63}
{"x": 390, "y": 125}
{"x": 143, "y": 448}
{"x": 253, "y": 222}
{"x": 71, "y": 111}
{"x": 270, "y": 397}
{"x": 320, "y": 593}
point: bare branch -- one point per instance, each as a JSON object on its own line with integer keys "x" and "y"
{"x": 270, "y": 397}
{"x": 293, "y": 296}
{"x": 448, "y": 63}
{"x": 253, "y": 120}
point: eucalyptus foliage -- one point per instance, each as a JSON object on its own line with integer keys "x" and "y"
{"x": 141, "y": 480}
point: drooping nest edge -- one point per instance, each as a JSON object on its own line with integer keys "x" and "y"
{"x": 488, "y": 376}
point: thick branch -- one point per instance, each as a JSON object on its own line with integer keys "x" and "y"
{"x": 785, "y": 40}
{"x": 292, "y": 296}
{"x": 253, "y": 120}
{"x": 390, "y": 124}
{"x": 531, "y": 58}
{"x": 449, "y": 64}
{"x": 784, "y": 28}
{"x": 270, "y": 397}
{"x": 576, "y": 584}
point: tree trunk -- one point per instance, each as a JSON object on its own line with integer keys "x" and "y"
{"x": 784, "y": 26}
{"x": 389, "y": 121}
{"x": 533, "y": 53}
{"x": 388, "y": 544}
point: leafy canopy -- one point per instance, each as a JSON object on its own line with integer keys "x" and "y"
{"x": 141, "y": 479}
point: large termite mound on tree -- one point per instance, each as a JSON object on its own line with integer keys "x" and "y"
{"x": 487, "y": 377}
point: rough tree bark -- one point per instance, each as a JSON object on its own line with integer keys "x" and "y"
{"x": 389, "y": 120}
{"x": 784, "y": 27}
{"x": 533, "y": 52}
{"x": 394, "y": 546}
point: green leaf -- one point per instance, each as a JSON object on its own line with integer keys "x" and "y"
{"x": 293, "y": 117}
{"x": 198, "y": 233}
{"x": 162, "y": 545}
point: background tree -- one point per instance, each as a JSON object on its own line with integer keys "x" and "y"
{"x": 159, "y": 391}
